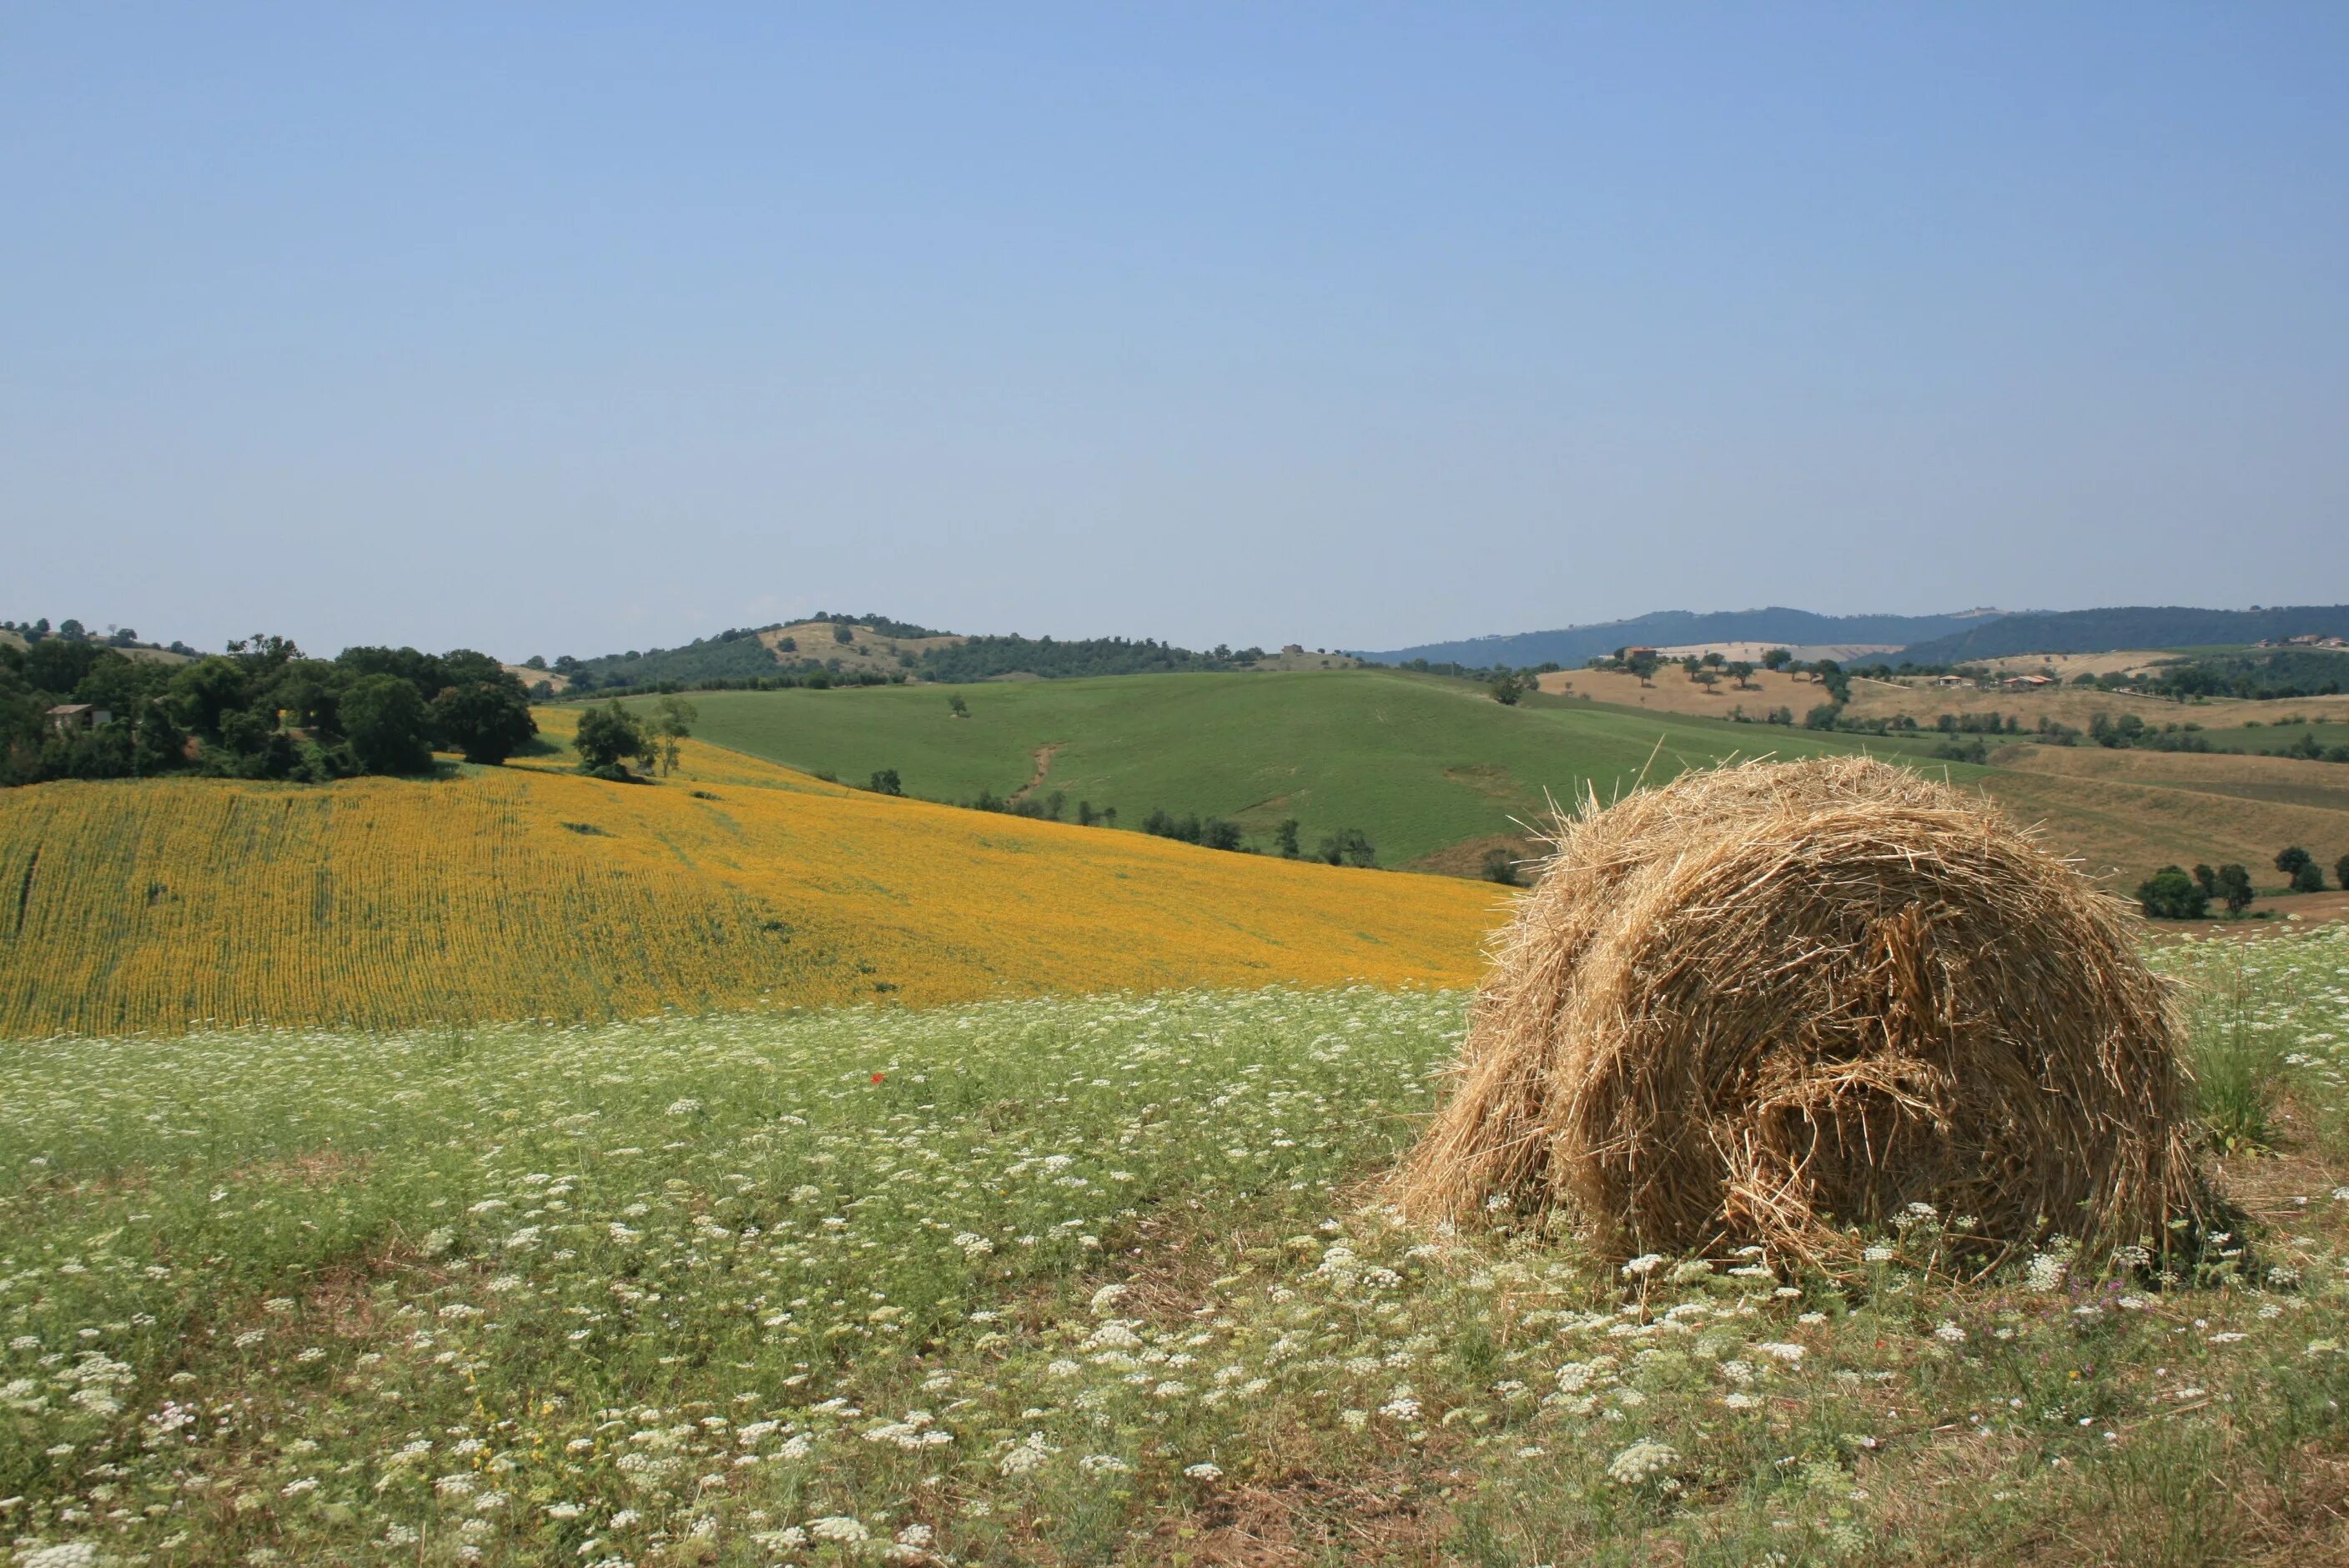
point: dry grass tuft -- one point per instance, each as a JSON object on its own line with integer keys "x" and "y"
{"x": 1777, "y": 1002}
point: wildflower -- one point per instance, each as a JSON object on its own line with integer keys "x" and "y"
{"x": 1949, "y": 1332}
{"x": 1029, "y": 1454}
{"x": 1103, "y": 1464}
{"x": 1643, "y": 1266}
{"x": 1790, "y": 1354}
{"x": 1641, "y": 1462}
{"x": 72, "y": 1554}
{"x": 839, "y": 1527}
{"x": 1204, "y": 1472}
{"x": 2044, "y": 1273}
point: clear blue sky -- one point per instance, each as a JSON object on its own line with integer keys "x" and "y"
{"x": 578, "y": 327}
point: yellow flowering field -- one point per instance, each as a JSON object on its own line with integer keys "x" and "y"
{"x": 528, "y": 891}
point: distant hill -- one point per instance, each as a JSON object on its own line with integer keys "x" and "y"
{"x": 829, "y": 649}
{"x": 2135, "y": 626}
{"x": 1671, "y": 628}
{"x": 1436, "y": 773}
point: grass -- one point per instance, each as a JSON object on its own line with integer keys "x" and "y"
{"x": 2273, "y": 737}
{"x": 1422, "y": 764}
{"x": 1075, "y": 1282}
{"x": 532, "y": 893}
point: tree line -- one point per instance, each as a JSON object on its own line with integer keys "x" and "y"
{"x": 261, "y": 709}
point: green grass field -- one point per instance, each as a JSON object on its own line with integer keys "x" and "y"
{"x": 1437, "y": 773}
{"x": 1419, "y": 763}
{"x": 2271, "y": 738}
{"x": 1080, "y": 1282}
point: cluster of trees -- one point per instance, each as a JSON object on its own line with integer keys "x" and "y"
{"x": 2174, "y": 893}
{"x": 2306, "y": 876}
{"x": 1346, "y": 847}
{"x": 261, "y": 710}
{"x": 984, "y": 658}
{"x": 610, "y": 735}
{"x": 2170, "y": 894}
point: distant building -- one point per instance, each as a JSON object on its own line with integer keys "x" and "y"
{"x": 2025, "y": 682}
{"x": 1951, "y": 681}
{"x": 1631, "y": 654}
{"x": 69, "y": 716}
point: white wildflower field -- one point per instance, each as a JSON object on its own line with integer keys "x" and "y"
{"x": 1081, "y": 1282}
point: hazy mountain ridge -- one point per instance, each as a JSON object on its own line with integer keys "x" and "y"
{"x": 1671, "y": 628}
{"x": 2130, "y": 626}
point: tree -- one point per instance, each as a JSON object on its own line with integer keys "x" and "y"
{"x": 886, "y": 783}
{"x": 1823, "y": 717}
{"x": 606, "y": 736}
{"x": 2207, "y": 880}
{"x": 488, "y": 721}
{"x": 2235, "y": 887}
{"x": 1500, "y": 866}
{"x": 1505, "y": 690}
{"x": 2170, "y": 894}
{"x": 1742, "y": 673}
{"x": 2340, "y": 871}
{"x": 1347, "y": 847}
{"x": 841, "y": 633}
{"x": 957, "y": 707}
{"x": 2289, "y": 861}
{"x": 1777, "y": 659}
{"x": 1283, "y": 839}
{"x": 201, "y": 692}
{"x": 388, "y": 724}
{"x": 673, "y": 719}
{"x": 1715, "y": 661}
{"x": 2309, "y": 878}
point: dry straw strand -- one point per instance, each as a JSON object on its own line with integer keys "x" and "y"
{"x": 1777, "y": 1003}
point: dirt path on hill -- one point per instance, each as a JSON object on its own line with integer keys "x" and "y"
{"x": 1044, "y": 755}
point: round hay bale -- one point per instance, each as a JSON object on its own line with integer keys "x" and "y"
{"x": 1771, "y": 1003}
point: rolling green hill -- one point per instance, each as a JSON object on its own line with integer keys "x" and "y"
{"x": 1436, "y": 773}
{"x": 1422, "y": 764}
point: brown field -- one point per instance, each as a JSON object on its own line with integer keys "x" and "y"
{"x": 2066, "y": 666}
{"x": 866, "y": 650}
{"x": 531, "y": 678}
{"x": 1672, "y": 692}
{"x": 1925, "y": 702}
{"x": 1307, "y": 660}
{"x": 2125, "y": 814}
